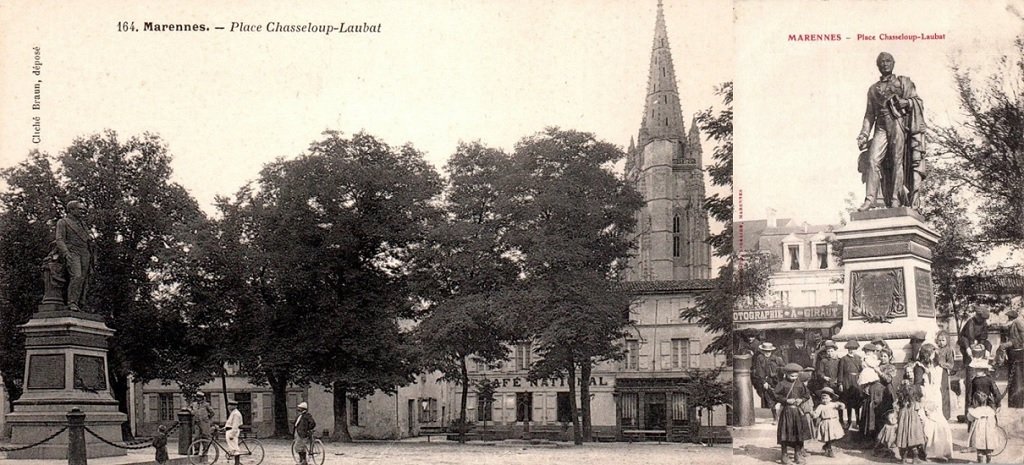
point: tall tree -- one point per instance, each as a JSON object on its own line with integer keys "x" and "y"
{"x": 718, "y": 127}
{"x": 713, "y": 312}
{"x": 466, "y": 268}
{"x": 572, "y": 217}
{"x": 326, "y": 238}
{"x": 985, "y": 153}
{"x": 29, "y": 206}
{"x": 138, "y": 216}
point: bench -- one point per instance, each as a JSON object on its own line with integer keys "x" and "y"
{"x": 430, "y": 431}
{"x": 644, "y": 434}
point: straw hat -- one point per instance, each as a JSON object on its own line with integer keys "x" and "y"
{"x": 766, "y": 346}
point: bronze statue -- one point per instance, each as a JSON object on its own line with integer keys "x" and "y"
{"x": 70, "y": 262}
{"x": 895, "y": 149}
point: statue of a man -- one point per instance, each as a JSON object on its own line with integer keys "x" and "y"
{"x": 895, "y": 149}
{"x": 75, "y": 249}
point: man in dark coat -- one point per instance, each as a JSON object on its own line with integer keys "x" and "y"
{"x": 766, "y": 374}
{"x": 849, "y": 389}
{"x": 798, "y": 352}
{"x": 748, "y": 342}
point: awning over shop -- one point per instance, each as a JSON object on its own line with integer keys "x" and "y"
{"x": 809, "y": 324}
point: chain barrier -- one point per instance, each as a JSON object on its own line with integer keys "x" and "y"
{"x": 133, "y": 445}
{"x": 14, "y": 449}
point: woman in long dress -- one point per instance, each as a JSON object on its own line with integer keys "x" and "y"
{"x": 938, "y": 434}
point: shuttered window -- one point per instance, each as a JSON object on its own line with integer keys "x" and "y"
{"x": 630, "y": 406}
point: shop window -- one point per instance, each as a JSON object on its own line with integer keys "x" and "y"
{"x": 680, "y": 353}
{"x": 166, "y": 406}
{"x": 523, "y": 352}
{"x": 822, "y": 252}
{"x": 794, "y": 257}
{"x": 632, "y": 355}
{"x": 630, "y": 406}
{"x": 524, "y": 406}
{"x": 353, "y": 411}
{"x": 244, "y": 400}
{"x": 484, "y": 409}
{"x": 428, "y": 410}
{"x": 679, "y": 410}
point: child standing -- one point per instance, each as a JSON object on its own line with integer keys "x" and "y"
{"x": 827, "y": 414}
{"x": 886, "y": 440}
{"x": 160, "y": 444}
{"x": 909, "y": 428}
{"x": 793, "y": 428}
{"x": 982, "y": 414}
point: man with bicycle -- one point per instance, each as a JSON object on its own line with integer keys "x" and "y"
{"x": 304, "y": 426}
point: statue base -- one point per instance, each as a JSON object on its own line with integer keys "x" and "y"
{"x": 888, "y": 286}
{"x": 65, "y": 367}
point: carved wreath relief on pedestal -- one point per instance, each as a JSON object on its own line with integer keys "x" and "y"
{"x": 877, "y": 296}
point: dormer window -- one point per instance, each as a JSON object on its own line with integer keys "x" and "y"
{"x": 821, "y": 250}
{"x": 794, "y": 257}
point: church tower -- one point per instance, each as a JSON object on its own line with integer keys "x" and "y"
{"x": 665, "y": 166}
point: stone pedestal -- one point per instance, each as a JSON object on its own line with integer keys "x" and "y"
{"x": 887, "y": 260}
{"x": 65, "y": 367}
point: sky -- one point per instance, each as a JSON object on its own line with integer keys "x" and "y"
{"x": 800, "y": 104}
{"x": 438, "y": 72}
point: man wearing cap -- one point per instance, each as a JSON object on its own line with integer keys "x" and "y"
{"x": 1014, "y": 347}
{"x": 304, "y": 425}
{"x": 766, "y": 374}
{"x": 973, "y": 327}
{"x": 233, "y": 428}
{"x": 850, "y": 366}
{"x": 202, "y": 417}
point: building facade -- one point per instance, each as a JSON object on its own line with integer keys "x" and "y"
{"x": 669, "y": 269}
{"x": 425, "y": 403}
{"x": 806, "y": 284}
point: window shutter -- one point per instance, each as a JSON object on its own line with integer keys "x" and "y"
{"x": 176, "y": 402}
{"x": 153, "y": 408}
{"x": 268, "y": 407}
{"x": 255, "y": 408}
{"x": 538, "y": 407}
{"x": 644, "y": 359}
{"x": 694, "y": 353}
{"x": 666, "y": 355}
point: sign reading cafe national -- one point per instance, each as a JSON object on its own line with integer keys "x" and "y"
{"x": 547, "y": 382}
{"x": 822, "y": 312}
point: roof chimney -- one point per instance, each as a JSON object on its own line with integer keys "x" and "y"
{"x": 771, "y": 218}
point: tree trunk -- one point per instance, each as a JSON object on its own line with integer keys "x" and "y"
{"x": 279, "y": 385}
{"x": 585, "y": 370}
{"x": 224, "y": 386}
{"x": 462, "y": 406}
{"x": 577, "y": 436}
{"x": 341, "y": 432}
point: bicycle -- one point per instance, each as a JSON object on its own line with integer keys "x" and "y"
{"x": 315, "y": 453}
{"x": 250, "y": 451}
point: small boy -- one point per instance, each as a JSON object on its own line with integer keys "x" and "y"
{"x": 160, "y": 444}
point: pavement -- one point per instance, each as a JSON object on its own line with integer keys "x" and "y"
{"x": 757, "y": 444}
{"x": 416, "y": 451}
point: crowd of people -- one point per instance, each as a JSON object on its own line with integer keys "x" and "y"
{"x": 901, "y": 413}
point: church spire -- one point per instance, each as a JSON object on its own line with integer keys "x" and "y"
{"x": 663, "y": 116}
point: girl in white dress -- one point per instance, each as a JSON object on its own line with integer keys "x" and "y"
{"x": 827, "y": 413}
{"x": 938, "y": 434}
